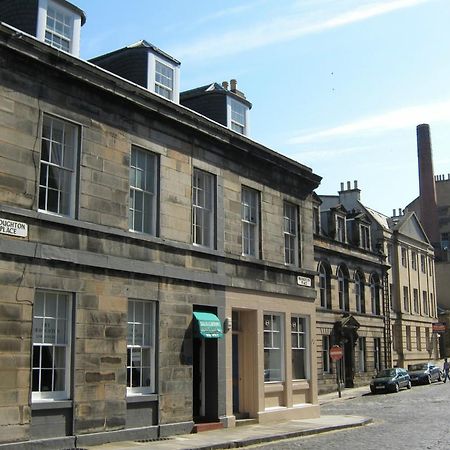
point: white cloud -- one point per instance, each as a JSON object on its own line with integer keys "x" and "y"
{"x": 406, "y": 117}
{"x": 285, "y": 28}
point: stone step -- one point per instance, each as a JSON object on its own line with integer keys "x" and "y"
{"x": 243, "y": 422}
{"x": 208, "y": 426}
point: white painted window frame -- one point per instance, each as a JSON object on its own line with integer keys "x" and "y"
{"x": 47, "y": 165}
{"x": 134, "y": 189}
{"x": 230, "y": 121}
{"x": 250, "y": 200}
{"x": 151, "y": 76}
{"x": 290, "y": 233}
{"x": 296, "y": 336}
{"x": 148, "y": 329}
{"x": 269, "y": 333}
{"x": 74, "y": 48}
{"x": 203, "y": 208}
{"x": 45, "y": 396}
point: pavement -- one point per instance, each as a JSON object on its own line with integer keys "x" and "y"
{"x": 244, "y": 436}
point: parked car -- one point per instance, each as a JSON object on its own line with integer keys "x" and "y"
{"x": 424, "y": 373}
{"x": 390, "y": 380}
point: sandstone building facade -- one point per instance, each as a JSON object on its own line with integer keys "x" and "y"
{"x": 156, "y": 268}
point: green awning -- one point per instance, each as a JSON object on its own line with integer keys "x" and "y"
{"x": 208, "y": 325}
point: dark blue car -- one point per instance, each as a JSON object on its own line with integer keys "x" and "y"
{"x": 390, "y": 380}
{"x": 424, "y": 373}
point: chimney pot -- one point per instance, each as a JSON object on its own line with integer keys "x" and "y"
{"x": 399, "y": 211}
{"x": 233, "y": 85}
{"x": 355, "y": 184}
{"x": 342, "y": 186}
{"x": 393, "y": 212}
{"x": 225, "y": 85}
{"x": 349, "y": 185}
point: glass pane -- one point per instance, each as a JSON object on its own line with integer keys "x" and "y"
{"x": 46, "y": 380}
{"x": 277, "y": 340}
{"x": 276, "y": 322}
{"x": 267, "y": 322}
{"x": 50, "y": 304}
{"x": 60, "y": 357}
{"x": 59, "y": 381}
{"x": 61, "y": 337}
{"x": 53, "y": 174}
{"x": 294, "y": 340}
{"x": 298, "y": 364}
{"x": 267, "y": 340}
{"x": 62, "y": 307}
{"x": 146, "y": 381}
{"x": 38, "y": 330}
{"x": 35, "y": 382}
{"x": 130, "y": 334}
{"x": 146, "y": 353}
{"x": 138, "y": 334}
{"x": 47, "y": 356}
{"x": 36, "y": 356}
{"x": 39, "y": 304}
{"x": 50, "y": 331}
{"x": 45, "y": 150}
{"x": 46, "y": 128}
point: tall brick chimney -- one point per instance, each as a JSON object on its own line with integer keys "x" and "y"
{"x": 428, "y": 205}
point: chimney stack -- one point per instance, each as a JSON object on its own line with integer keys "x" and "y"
{"x": 225, "y": 85}
{"x": 233, "y": 85}
{"x": 428, "y": 204}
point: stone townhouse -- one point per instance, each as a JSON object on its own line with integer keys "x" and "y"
{"x": 412, "y": 289}
{"x": 351, "y": 271}
{"x": 156, "y": 267}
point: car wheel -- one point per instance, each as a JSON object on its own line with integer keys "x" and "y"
{"x": 372, "y": 390}
{"x": 439, "y": 377}
{"x": 408, "y": 386}
{"x": 429, "y": 379}
{"x": 396, "y": 387}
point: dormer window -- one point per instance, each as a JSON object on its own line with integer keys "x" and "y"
{"x": 237, "y": 117}
{"x": 340, "y": 229}
{"x": 58, "y": 31}
{"x": 59, "y": 25}
{"x": 164, "y": 76}
{"x": 364, "y": 237}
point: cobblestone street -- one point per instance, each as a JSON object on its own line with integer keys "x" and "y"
{"x": 413, "y": 420}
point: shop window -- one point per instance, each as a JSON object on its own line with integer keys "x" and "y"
{"x": 299, "y": 339}
{"x": 273, "y": 348}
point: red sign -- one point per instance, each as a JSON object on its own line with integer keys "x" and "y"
{"x": 336, "y": 352}
{"x": 439, "y": 327}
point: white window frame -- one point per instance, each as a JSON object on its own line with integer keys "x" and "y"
{"x": 290, "y": 232}
{"x": 299, "y": 343}
{"x": 58, "y": 162}
{"x": 75, "y": 19}
{"x": 273, "y": 346}
{"x": 47, "y": 337}
{"x": 144, "y": 172}
{"x": 364, "y": 232}
{"x": 164, "y": 86}
{"x": 250, "y": 204}
{"x": 203, "y": 208}
{"x": 137, "y": 344}
{"x": 237, "y": 116}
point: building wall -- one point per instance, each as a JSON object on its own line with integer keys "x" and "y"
{"x": 102, "y": 265}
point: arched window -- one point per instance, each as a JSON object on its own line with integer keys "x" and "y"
{"x": 375, "y": 294}
{"x": 359, "y": 292}
{"x": 324, "y": 285}
{"x": 342, "y": 276}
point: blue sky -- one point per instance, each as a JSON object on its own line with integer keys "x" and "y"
{"x": 338, "y": 85}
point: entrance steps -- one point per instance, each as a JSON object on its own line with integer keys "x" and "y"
{"x": 207, "y": 426}
{"x": 243, "y": 422}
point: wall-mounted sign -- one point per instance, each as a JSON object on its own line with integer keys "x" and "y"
{"x": 304, "y": 281}
{"x": 439, "y": 327}
{"x": 13, "y": 228}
